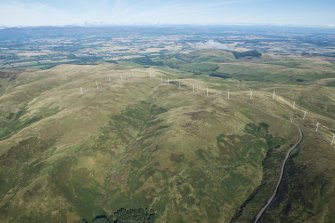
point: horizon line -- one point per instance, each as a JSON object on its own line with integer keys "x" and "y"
{"x": 102, "y": 24}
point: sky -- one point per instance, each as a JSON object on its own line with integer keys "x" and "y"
{"x": 202, "y": 12}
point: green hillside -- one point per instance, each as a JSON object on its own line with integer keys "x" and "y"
{"x": 139, "y": 143}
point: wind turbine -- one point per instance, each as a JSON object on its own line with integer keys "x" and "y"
{"x": 81, "y": 90}
{"x": 274, "y": 95}
{"x": 305, "y": 112}
{"x": 96, "y": 84}
{"x": 293, "y": 106}
{"x": 207, "y": 92}
{"x": 317, "y": 126}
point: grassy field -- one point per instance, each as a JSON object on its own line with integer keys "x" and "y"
{"x": 139, "y": 143}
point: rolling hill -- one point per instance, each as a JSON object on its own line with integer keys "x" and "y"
{"x": 138, "y": 142}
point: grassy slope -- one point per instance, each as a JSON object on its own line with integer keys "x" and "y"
{"x": 306, "y": 198}
{"x": 310, "y": 75}
{"x": 135, "y": 144}
{"x": 280, "y": 70}
{"x": 308, "y": 192}
{"x": 139, "y": 145}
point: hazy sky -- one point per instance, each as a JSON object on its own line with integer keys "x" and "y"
{"x": 64, "y": 12}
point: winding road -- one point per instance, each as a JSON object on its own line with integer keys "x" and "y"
{"x": 288, "y": 154}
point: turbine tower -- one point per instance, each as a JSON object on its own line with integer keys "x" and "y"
{"x": 274, "y": 95}
{"x": 96, "y": 84}
{"x": 317, "y": 126}
{"x": 305, "y": 112}
{"x": 81, "y": 90}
